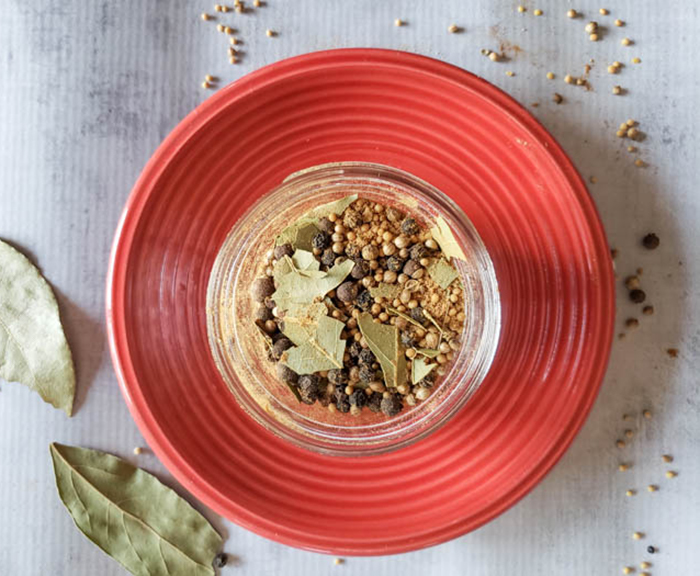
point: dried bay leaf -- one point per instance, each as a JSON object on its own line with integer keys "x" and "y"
{"x": 336, "y": 207}
{"x": 299, "y": 288}
{"x": 442, "y": 272}
{"x": 383, "y": 341}
{"x": 443, "y": 235}
{"x": 434, "y": 322}
{"x": 305, "y": 260}
{"x": 420, "y": 369}
{"x": 386, "y": 291}
{"x": 301, "y": 321}
{"x": 33, "y": 347}
{"x": 129, "y": 514}
{"x": 323, "y": 351}
{"x": 427, "y": 352}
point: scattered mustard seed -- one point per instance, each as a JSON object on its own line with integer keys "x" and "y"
{"x": 239, "y": 8}
{"x": 494, "y": 56}
{"x": 625, "y": 41}
{"x": 569, "y": 79}
{"x": 636, "y": 60}
{"x": 639, "y": 163}
{"x": 510, "y": 73}
{"x": 592, "y": 27}
{"x": 232, "y": 60}
{"x": 626, "y": 417}
{"x": 644, "y": 565}
{"x": 620, "y": 443}
{"x": 627, "y": 570}
{"x": 224, "y": 8}
{"x": 631, "y": 322}
{"x": 631, "y": 148}
{"x": 647, "y": 414}
{"x": 630, "y": 492}
{"x": 257, "y": 3}
{"x": 220, "y": 27}
{"x": 571, "y": 13}
{"x": 652, "y": 488}
{"x": 648, "y": 310}
{"x": 537, "y": 12}
{"x": 453, "y": 28}
{"x": 206, "y": 85}
{"x": 210, "y": 78}
{"x": 398, "y": 22}
{"x": 671, "y": 474}
{"x": 617, "y": 90}
{"x": 619, "y": 22}
{"x": 550, "y": 75}
{"x": 593, "y": 179}
{"x": 521, "y": 9}
{"x": 138, "y": 450}
{"x": 558, "y": 99}
{"x": 604, "y": 11}
{"x": 270, "y": 33}
{"x": 206, "y": 16}
{"x": 233, "y": 40}
{"x": 338, "y": 561}
{"x": 644, "y": 574}
{"x": 613, "y": 69}
{"x": 637, "y": 535}
{"x": 593, "y": 37}
{"x": 672, "y": 352}
{"x": 667, "y": 458}
{"x": 629, "y": 433}
{"x": 217, "y": 7}
{"x": 623, "y": 467}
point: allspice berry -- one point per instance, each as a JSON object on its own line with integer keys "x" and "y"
{"x": 650, "y": 241}
{"x": 347, "y": 292}
{"x": 262, "y": 288}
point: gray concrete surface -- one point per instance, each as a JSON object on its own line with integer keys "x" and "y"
{"x": 89, "y": 89}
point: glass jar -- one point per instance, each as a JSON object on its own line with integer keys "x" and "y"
{"x": 240, "y": 352}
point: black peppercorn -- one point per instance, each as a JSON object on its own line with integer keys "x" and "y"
{"x": 407, "y": 339}
{"x": 320, "y": 241}
{"x": 637, "y": 296}
{"x": 409, "y": 227}
{"x": 651, "y": 241}
{"x": 358, "y": 398}
{"x": 417, "y": 314}
{"x": 352, "y": 251}
{"x": 392, "y": 405}
{"x": 651, "y": 549}
{"x": 367, "y": 357}
{"x": 220, "y": 560}
{"x": 280, "y": 346}
{"x": 282, "y": 251}
{"x": 366, "y": 372}
{"x": 342, "y": 403}
{"x": 359, "y": 270}
{"x": 417, "y": 252}
{"x": 355, "y": 349}
{"x": 364, "y": 300}
{"x": 375, "y": 402}
{"x": 336, "y": 376}
{"x": 286, "y": 374}
{"x": 308, "y": 388}
{"x": 394, "y": 263}
{"x": 328, "y": 257}
{"x": 325, "y": 225}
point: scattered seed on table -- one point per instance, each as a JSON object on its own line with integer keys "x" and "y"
{"x": 630, "y": 492}
{"x": 636, "y": 60}
{"x": 232, "y": 60}
{"x": 138, "y": 450}
{"x": 550, "y": 75}
{"x": 651, "y": 241}
{"x": 617, "y": 90}
{"x": 453, "y": 28}
{"x": 637, "y": 296}
{"x": 337, "y": 561}
{"x": 629, "y": 433}
{"x": 626, "y": 42}
{"x": 652, "y": 488}
{"x": 639, "y": 163}
{"x": 217, "y": 7}
{"x": 648, "y": 310}
{"x": 510, "y": 73}
{"x": 593, "y": 37}
{"x": 593, "y": 179}
{"x": 210, "y": 78}
{"x": 571, "y": 13}
{"x": 558, "y": 99}
{"x": 638, "y": 535}
{"x": 627, "y": 570}
{"x": 614, "y": 253}
{"x": 569, "y": 79}
{"x": 398, "y": 22}
{"x": 671, "y": 474}
{"x": 619, "y": 22}
{"x": 220, "y": 27}
{"x": 620, "y": 443}
{"x": 228, "y": 30}
{"x": 667, "y": 458}
{"x": 206, "y": 85}
{"x": 521, "y": 9}
{"x": 591, "y": 27}
{"x": 644, "y": 565}
{"x": 270, "y": 33}
{"x": 494, "y": 56}
{"x": 672, "y": 352}
{"x": 631, "y": 323}
{"x": 626, "y": 417}
{"x": 623, "y": 467}
{"x": 647, "y": 414}
{"x": 651, "y": 549}
{"x": 257, "y": 3}
{"x": 644, "y": 574}
{"x": 537, "y": 12}
{"x": 631, "y": 148}
{"x": 206, "y": 16}
{"x": 612, "y": 69}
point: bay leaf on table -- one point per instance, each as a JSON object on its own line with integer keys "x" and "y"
{"x": 300, "y": 321}
{"x": 442, "y": 272}
{"x": 443, "y": 235}
{"x": 300, "y": 233}
{"x": 128, "y": 513}
{"x": 420, "y": 369}
{"x": 296, "y": 287}
{"x": 384, "y": 290}
{"x": 323, "y": 351}
{"x": 33, "y": 347}
{"x": 383, "y": 341}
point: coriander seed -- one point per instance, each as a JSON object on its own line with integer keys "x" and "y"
{"x": 604, "y": 11}
{"x": 625, "y": 41}
{"x": 537, "y": 12}
{"x": 398, "y": 22}
{"x": 571, "y": 13}
{"x": 521, "y": 9}
{"x": 619, "y": 22}
{"x": 453, "y": 28}
{"x": 550, "y": 75}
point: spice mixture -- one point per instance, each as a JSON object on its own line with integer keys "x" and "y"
{"x": 360, "y": 306}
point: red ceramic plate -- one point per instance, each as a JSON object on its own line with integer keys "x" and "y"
{"x": 525, "y": 198}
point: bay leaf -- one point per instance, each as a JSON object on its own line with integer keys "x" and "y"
{"x": 434, "y": 322}
{"x": 386, "y": 291}
{"x": 298, "y": 288}
{"x": 383, "y": 341}
{"x": 304, "y": 260}
{"x": 442, "y": 272}
{"x": 427, "y": 352}
{"x": 323, "y": 351}
{"x": 443, "y": 235}
{"x": 129, "y": 514}
{"x": 33, "y": 347}
{"x": 301, "y": 321}
{"x": 420, "y": 369}
{"x": 336, "y": 207}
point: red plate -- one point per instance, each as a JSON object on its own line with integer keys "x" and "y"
{"x": 526, "y": 200}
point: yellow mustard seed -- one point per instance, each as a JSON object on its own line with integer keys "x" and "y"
{"x": 613, "y": 69}
{"x": 629, "y": 433}
{"x": 224, "y": 8}
{"x": 604, "y": 11}
{"x": 569, "y": 79}
{"x": 238, "y": 8}
{"x": 232, "y": 60}
{"x": 652, "y": 488}
{"x": 636, "y": 60}
{"x": 537, "y": 12}
{"x": 617, "y": 90}
{"x": 620, "y": 443}
{"x": 630, "y": 492}
{"x": 625, "y": 41}
{"x": 591, "y": 27}
{"x": 627, "y": 570}
{"x": 228, "y": 30}
{"x": 205, "y": 85}
{"x": 593, "y": 37}
{"x": 619, "y": 22}
{"x": 217, "y": 7}
{"x": 494, "y": 56}
{"x": 138, "y": 450}
{"x": 647, "y": 414}
{"x": 639, "y": 163}
{"x": 617, "y": 64}
{"x": 644, "y": 574}
{"x": 338, "y": 561}
{"x": 398, "y": 22}
{"x": 631, "y": 148}
{"x": 671, "y": 474}
{"x": 220, "y": 27}
{"x": 233, "y": 40}
{"x": 210, "y": 78}
{"x": 510, "y": 73}
{"x": 621, "y": 133}
{"x": 205, "y": 16}
{"x": 623, "y": 467}
{"x": 257, "y": 3}
{"x": 269, "y": 33}
{"x": 637, "y": 535}
{"x": 593, "y": 179}
{"x": 631, "y": 122}
{"x": 667, "y": 458}
{"x": 550, "y": 75}
{"x": 453, "y": 28}
{"x": 645, "y": 565}
{"x": 521, "y": 9}
{"x": 571, "y": 13}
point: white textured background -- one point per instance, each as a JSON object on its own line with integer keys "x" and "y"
{"x": 89, "y": 88}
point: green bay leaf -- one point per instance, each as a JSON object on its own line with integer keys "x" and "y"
{"x": 323, "y": 351}
{"x": 301, "y": 321}
{"x": 427, "y": 352}
{"x": 299, "y": 288}
{"x": 129, "y": 514}
{"x": 301, "y": 232}
{"x": 304, "y": 260}
{"x": 434, "y": 322}
{"x": 33, "y": 347}
{"x": 336, "y": 207}
{"x": 386, "y": 291}
{"x": 383, "y": 341}
{"x": 442, "y": 272}
{"x": 420, "y": 369}
{"x": 443, "y": 235}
